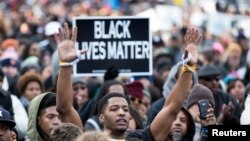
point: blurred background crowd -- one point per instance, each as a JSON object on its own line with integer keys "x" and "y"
{"x": 29, "y": 61}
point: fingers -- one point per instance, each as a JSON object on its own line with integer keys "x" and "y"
{"x": 83, "y": 51}
{"x": 186, "y": 37}
{"x": 198, "y": 39}
{"x": 64, "y": 34}
{"x": 192, "y": 36}
{"x": 66, "y": 31}
{"x": 61, "y": 36}
{"x": 74, "y": 34}
{"x": 56, "y": 36}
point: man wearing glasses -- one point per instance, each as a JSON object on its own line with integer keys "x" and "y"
{"x": 227, "y": 110}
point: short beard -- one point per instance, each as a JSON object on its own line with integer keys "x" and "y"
{"x": 176, "y": 136}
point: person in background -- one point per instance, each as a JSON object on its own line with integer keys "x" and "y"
{"x": 135, "y": 94}
{"x": 237, "y": 88}
{"x": 197, "y": 93}
{"x": 135, "y": 121}
{"x": 12, "y": 104}
{"x": 93, "y": 136}
{"x": 29, "y": 85}
{"x": 6, "y": 126}
{"x": 226, "y": 109}
{"x": 14, "y": 135}
{"x": 65, "y": 132}
{"x": 80, "y": 92}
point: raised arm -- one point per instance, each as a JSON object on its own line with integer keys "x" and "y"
{"x": 67, "y": 53}
{"x": 161, "y": 125}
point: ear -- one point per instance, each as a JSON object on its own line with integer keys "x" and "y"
{"x": 101, "y": 118}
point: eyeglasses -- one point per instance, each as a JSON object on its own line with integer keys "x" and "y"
{"x": 133, "y": 99}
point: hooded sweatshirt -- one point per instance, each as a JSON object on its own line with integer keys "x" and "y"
{"x": 191, "y": 126}
{"x": 32, "y": 132}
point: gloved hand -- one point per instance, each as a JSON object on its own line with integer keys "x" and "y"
{"x": 111, "y": 73}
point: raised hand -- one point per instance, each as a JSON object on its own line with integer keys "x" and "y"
{"x": 66, "y": 45}
{"x": 192, "y": 38}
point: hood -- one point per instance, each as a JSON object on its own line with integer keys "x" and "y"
{"x": 171, "y": 80}
{"x": 191, "y": 127}
{"x": 32, "y": 131}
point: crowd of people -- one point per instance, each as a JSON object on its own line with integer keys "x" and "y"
{"x": 40, "y": 99}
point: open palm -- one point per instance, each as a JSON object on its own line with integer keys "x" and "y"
{"x": 66, "y": 45}
{"x": 192, "y": 38}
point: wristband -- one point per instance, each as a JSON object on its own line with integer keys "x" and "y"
{"x": 64, "y": 64}
{"x": 78, "y": 54}
{"x": 185, "y": 61}
{"x": 185, "y": 66}
{"x": 188, "y": 68}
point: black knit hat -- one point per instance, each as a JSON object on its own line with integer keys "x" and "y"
{"x": 200, "y": 92}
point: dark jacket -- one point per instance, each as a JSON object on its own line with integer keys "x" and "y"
{"x": 223, "y": 98}
{"x": 85, "y": 110}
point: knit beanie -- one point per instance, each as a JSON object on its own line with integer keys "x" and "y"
{"x": 135, "y": 89}
{"x": 200, "y": 92}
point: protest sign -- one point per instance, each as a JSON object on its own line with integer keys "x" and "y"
{"x": 122, "y": 42}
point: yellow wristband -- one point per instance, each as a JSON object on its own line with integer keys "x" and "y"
{"x": 188, "y": 68}
{"x": 61, "y": 63}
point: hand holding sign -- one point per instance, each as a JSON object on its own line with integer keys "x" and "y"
{"x": 66, "y": 46}
{"x": 192, "y": 39}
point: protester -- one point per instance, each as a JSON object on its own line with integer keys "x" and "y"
{"x": 135, "y": 121}
{"x": 108, "y": 87}
{"x": 183, "y": 127}
{"x": 65, "y": 132}
{"x": 113, "y": 108}
{"x": 13, "y": 105}
{"x": 236, "y": 88}
{"x": 227, "y": 110}
{"x": 200, "y": 92}
{"x": 27, "y": 44}
{"x": 6, "y": 126}
{"x": 43, "y": 117}
{"x": 135, "y": 94}
{"x": 93, "y": 136}
{"x": 80, "y": 92}
{"x": 29, "y": 85}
